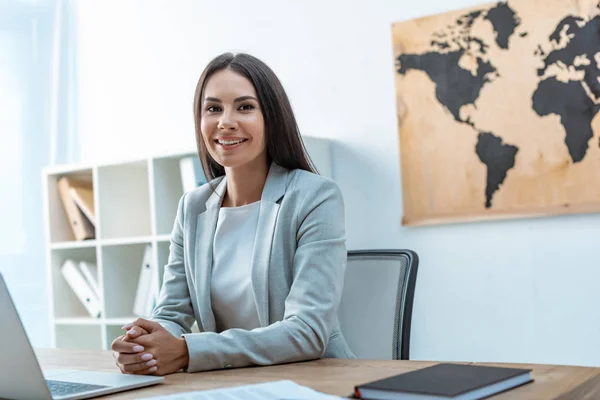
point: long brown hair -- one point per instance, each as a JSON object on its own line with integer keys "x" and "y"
{"x": 284, "y": 144}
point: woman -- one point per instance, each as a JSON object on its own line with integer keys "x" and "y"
{"x": 257, "y": 255}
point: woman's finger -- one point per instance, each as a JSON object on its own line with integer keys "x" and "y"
{"x": 127, "y": 358}
{"x": 142, "y": 367}
{"x": 122, "y": 337}
{"x": 149, "y": 371}
{"x": 134, "y": 332}
{"x": 121, "y": 346}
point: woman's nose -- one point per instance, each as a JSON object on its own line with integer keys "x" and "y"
{"x": 226, "y": 122}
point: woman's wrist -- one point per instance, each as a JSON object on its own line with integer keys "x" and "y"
{"x": 184, "y": 358}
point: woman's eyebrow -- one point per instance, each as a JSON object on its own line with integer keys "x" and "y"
{"x": 241, "y": 98}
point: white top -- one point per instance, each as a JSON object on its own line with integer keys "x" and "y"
{"x": 231, "y": 293}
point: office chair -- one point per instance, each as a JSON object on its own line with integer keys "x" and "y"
{"x": 376, "y": 307}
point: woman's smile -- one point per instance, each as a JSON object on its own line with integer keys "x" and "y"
{"x": 230, "y": 143}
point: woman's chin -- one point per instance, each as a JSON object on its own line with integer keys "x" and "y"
{"x": 235, "y": 161}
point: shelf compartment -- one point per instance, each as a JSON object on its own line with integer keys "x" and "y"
{"x": 121, "y": 269}
{"x": 124, "y": 209}
{"x": 168, "y": 190}
{"x": 66, "y": 303}
{"x": 60, "y": 229}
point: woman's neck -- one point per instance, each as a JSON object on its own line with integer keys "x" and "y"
{"x": 245, "y": 184}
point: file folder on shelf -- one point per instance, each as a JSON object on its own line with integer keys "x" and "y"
{"x": 90, "y": 273}
{"x": 83, "y": 196}
{"x": 82, "y": 228}
{"x": 146, "y": 294}
{"x": 81, "y": 288}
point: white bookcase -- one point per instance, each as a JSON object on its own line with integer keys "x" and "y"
{"x": 136, "y": 202}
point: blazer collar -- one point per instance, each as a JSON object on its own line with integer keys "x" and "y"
{"x": 216, "y": 198}
{"x": 273, "y": 191}
{"x": 263, "y": 242}
{"x": 275, "y": 185}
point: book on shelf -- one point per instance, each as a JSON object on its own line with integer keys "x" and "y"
{"x": 191, "y": 172}
{"x": 81, "y": 288}
{"x": 81, "y": 226}
{"x": 83, "y": 196}
{"x": 446, "y": 381}
{"x": 146, "y": 293}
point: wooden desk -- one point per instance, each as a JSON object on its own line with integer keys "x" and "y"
{"x": 333, "y": 376}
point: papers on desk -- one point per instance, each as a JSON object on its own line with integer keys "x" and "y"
{"x": 279, "y": 390}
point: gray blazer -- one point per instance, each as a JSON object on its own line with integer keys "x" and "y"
{"x": 297, "y": 275}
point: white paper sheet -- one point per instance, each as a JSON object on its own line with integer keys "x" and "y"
{"x": 278, "y": 390}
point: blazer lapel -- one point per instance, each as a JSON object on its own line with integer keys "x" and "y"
{"x": 269, "y": 208}
{"x": 205, "y": 233}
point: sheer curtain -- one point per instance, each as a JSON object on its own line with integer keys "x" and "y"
{"x": 37, "y": 128}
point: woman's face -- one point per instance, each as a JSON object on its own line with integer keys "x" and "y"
{"x": 232, "y": 122}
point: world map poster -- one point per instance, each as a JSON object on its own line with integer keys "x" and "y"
{"x": 499, "y": 111}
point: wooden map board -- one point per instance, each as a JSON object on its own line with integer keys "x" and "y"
{"x": 498, "y": 111}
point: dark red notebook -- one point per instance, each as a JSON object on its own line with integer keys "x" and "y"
{"x": 445, "y": 381}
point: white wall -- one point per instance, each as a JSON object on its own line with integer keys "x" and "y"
{"x": 520, "y": 290}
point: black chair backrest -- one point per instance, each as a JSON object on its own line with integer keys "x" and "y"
{"x": 376, "y": 308}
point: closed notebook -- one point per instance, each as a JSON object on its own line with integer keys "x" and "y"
{"x": 445, "y": 381}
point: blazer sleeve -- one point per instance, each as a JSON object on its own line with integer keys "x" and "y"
{"x": 311, "y": 305}
{"x": 174, "y": 306}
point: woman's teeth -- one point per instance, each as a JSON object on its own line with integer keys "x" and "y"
{"x": 230, "y": 142}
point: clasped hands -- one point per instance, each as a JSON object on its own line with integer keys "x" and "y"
{"x": 147, "y": 348}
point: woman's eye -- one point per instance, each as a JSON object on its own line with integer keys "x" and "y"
{"x": 213, "y": 109}
{"x": 246, "y": 107}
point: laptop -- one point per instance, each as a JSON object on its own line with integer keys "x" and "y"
{"x": 21, "y": 376}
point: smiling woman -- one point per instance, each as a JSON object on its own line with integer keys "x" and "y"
{"x": 231, "y": 123}
{"x": 257, "y": 256}
{"x": 254, "y": 91}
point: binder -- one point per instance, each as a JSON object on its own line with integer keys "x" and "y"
{"x": 152, "y": 295}
{"x": 90, "y": 273}
{"x": 81, "y": 288}
{"x": 144, "y": 290}
{"x": 84, "y": 199}
{"x": 81, "y": 226}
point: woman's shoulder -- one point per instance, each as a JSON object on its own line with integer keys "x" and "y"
{"x": 306, "y": 179}
{"x": 311, "y": 186}
{"x": 308, "y": 192}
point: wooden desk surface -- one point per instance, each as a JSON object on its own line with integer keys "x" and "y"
{"x": 332, "y": 376}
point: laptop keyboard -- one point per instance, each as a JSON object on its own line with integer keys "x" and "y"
{"x": 60, "y": 388}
